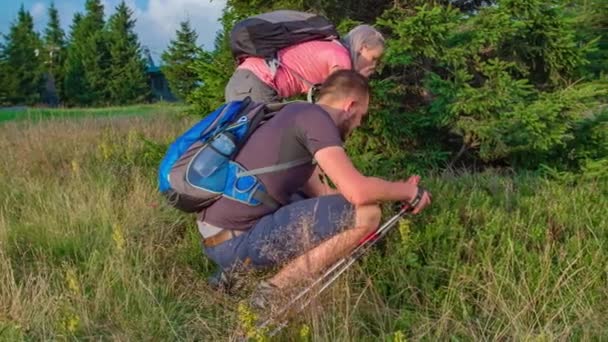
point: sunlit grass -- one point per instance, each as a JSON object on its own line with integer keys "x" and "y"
{"x": 34, "y": 114}
{"x": 89, "y": 250}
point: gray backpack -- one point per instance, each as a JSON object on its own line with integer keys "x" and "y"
{"x": 265, "y": 34}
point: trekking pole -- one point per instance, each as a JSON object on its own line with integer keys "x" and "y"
{"x": 337, "y": 269}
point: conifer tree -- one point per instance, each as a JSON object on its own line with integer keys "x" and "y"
{"x": 23, "y": 60}
{"x": 5, "y": 77}
{"x": 128, "y": 82}
{"x": 55, "y": 49}
{"x": 88, "y": 62}
{"x": 179, "y": 59}
{"x": 76, "y": 89}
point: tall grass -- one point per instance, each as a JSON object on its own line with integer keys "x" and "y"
{"x": 36, "y": 114}
{"x": 89, "y": 250}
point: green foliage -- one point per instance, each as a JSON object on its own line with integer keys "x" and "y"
{"x": 504, "y": 80}
{"x": 99, "y": 64}
{"x": 389, "y": 142}
{"x": 214, "y": 68}
{"x": 334, "y": 10}
{"x": 55, "y": 46}
{"x": 499, "y": 84}
{"x": 5, "y": 78}
{"x": 514, "y": 83}
{"x": 533, "y": 132}
{"x": 90, "y": 249}
{"x": 94, "y": 52}
{"x": 179, "y": 59}
{"x": 75, "y": 87}
{"x": 54, "y": 36}
{"x": 592, "y": 23}
{"x": 22, "y": 61}
{"x": 128, "y": 83}
{"x": 39, "y": 114}
{"x": 88, "y": 61}
{"x": 494, "y": 258}
{"x": 589, "y": 144}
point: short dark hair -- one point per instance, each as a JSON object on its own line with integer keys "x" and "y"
{"x": 342, "y": 83}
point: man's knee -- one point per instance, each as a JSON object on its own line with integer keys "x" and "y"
{"x": 368, "y": 217}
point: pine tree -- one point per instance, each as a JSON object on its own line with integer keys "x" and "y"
{"x": 76, "y": 89}
{"x": 96, "y": 55}
{"x": 504, "y": 82}
{"x": 55, "y": 49}
{"x": 128, "y": 83}
{"x": 5, "y": 77}
{"x": 23, "y": 60}
{"x": 592, "y": 21}
{"x": 179, "y": 59}
{"x": 88, "y": 56}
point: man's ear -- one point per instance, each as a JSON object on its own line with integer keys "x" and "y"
{"x": 349, "y": 105}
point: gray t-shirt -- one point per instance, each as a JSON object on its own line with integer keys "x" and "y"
{"x": 297, "y": 131}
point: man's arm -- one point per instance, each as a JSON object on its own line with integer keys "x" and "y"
{"x": 357, "y": 188}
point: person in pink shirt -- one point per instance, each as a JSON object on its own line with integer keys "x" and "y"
{"x": 304, "y": 65}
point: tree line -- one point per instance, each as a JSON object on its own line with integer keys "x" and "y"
{"x": 518, "y": 83}
{"x": 98, "y": 62}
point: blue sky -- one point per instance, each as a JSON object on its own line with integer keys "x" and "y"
{"x": 157, "y": 20}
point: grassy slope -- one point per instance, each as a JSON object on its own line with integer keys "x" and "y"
{"x": 88, "y": 250}
{"x": 45, "y": 113}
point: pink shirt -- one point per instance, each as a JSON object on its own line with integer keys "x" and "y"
{"x": 312, "y": 60}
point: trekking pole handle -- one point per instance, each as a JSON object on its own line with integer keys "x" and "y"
{"x": 406, "y": 209}
{"x": 409, "y": 206}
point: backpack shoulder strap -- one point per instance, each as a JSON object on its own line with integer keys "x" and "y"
{"x": 274, "y": 63}
{"x": 275, "y": 168}
{"x": 265, "y": 114}
{"x": 277, "y": 106}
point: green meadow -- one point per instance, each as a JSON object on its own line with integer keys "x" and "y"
{"x": 90, "y": 251}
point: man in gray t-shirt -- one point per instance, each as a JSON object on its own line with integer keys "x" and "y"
{"x": 305, "y": 236}
{"x": 296, "y": 132}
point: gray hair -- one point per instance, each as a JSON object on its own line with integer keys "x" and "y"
{"x": 360, "y": 36}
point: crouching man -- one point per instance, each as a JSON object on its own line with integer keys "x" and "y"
{"x": 306, "y": 236}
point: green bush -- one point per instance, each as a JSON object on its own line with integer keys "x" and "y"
{"x": 514, "y": 83}
{"x": 504, "y": 81}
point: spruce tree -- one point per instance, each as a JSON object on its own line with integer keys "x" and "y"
{"x": 55, "y": 49}
{"x": 592, "y": 22}
{"x": 76, "y": 89}
{"x": 23, "y": 60}
{"x": 88, "y": 58}
{"x": 5, "y": 77}
{"x": 179, "y": 59}
{"x": 128, "y": 83}
{"x": 96, "y": 55}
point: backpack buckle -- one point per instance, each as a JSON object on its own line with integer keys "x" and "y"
{"x": 273, "y": 64}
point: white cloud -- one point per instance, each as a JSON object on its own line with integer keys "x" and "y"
{"x": 157, "y": 23}
{"x": 38, "y": 11}
{"x": 67, "y": 9}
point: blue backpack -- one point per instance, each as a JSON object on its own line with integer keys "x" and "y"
{"x": 199, "y": 166}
